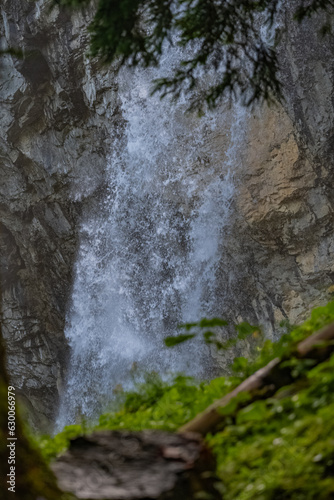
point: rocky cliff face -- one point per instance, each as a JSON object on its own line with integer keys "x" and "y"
{"x": 283, "y": 223}
{"x": 58, "y": 115}
{"x": 279, "y": 252}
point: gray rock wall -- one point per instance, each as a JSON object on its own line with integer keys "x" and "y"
{"x": 277, "y": 260}
{"x": 284, "y": 212}
{"x": 54, "y": 138}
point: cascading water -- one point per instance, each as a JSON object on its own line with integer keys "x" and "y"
{"x": 150, "y": 251}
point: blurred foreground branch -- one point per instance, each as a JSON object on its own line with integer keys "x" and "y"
{"x": 263, "y": 383}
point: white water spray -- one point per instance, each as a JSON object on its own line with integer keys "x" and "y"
{"x": 150, "y": 250}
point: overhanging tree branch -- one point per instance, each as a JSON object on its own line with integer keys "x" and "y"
{"x": 224, "y": 37}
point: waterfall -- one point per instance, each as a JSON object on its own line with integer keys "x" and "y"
{"x": 150, "y": 250}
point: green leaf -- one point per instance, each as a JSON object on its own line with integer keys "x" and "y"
{"x": 254, "y": 412}
{"x": 244, "y": 330}
{"x": 239, "y": 365}
{"x": 231, "y": 407}
{"x": 171, "y": 341}
{"x": 208, "y": 335}
{"x": 210, "y": 323}
{"x": 205, "y": 323}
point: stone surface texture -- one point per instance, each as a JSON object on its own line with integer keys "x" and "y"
{"x": 58, "y": 113}
{"x": 283, "y": 224}
{"x": 137, "y": 465}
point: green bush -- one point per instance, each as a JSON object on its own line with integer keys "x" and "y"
{"x": 273, "y": 449}
{"x": 154, "y": 404}
{"x": 282, "y": 447}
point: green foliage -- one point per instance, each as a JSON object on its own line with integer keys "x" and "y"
{"x": 146, "y": 394}
{"x": 205, "y": 323}
{"x": 155, "y": 404}
{"x": 224, "y": 38}
{"x": 51, "y": 447}
{"x": 167, "y": 408}
{"x": 172, "y": 341}
{"x": 73, "y": 3}
{"x": 277, "y": 448}
{"x": 244, "y": 330}
{"x": 282, "y": 447}
{"x": 321, "y": 316}
{"x": 12, "y": 52}
{"x": 286, "y": 326}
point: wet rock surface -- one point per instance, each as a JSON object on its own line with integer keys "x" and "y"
{"x": 53, "y": 136}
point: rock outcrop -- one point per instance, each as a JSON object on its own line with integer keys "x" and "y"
{"x": 278, "y": 254}
{"x": 56, "y": 117}
{"x": 283, "y": 222}
{"x": 137, "y": 465}
{"x": 59, "y": 112}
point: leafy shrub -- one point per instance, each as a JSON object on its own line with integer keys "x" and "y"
{"x": 273, "y": 449}
{"x": 282, "y": 447}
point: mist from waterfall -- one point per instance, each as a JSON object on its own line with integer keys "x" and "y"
{"x": 150, "y": 250}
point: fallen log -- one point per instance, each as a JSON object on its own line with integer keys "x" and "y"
{"x": 313, "y": 342}
{"x": 121, "y": 465}
{"x": 268, "y": 379}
